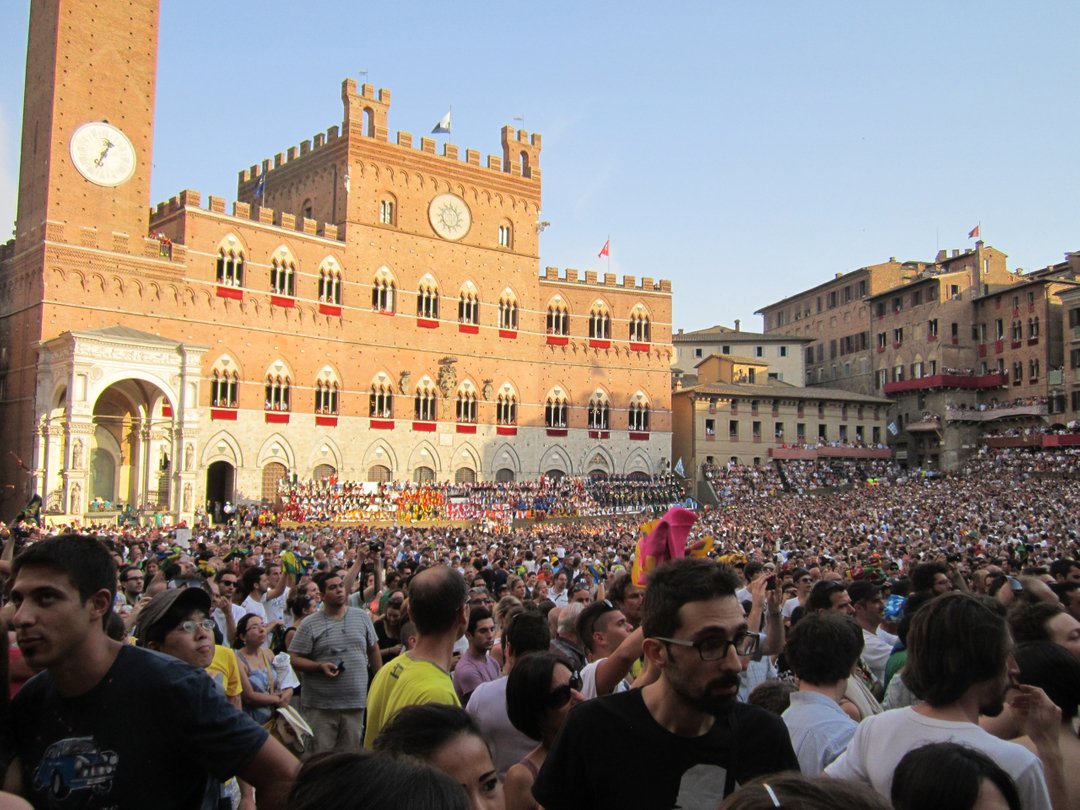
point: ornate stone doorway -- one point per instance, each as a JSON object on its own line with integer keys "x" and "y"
{"x": 118, "y": 423}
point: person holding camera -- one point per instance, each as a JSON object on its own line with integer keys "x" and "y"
{"x": 333, "y": 649}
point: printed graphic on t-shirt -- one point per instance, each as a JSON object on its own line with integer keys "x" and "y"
{"x": 701, "y": 786}
{"x": 75, "y": 764}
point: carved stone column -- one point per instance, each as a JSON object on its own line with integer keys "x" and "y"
{"x": 188, "y": 484}
{"x": 39, "y": 474}
{"x": 78, "y": 434}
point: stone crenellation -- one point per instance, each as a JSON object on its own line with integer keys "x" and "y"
{"x": 147, "y": 246}
{"x": 520, "y": 148}
{"x": 255, "y": 213}
{"x": 593, "y": 279}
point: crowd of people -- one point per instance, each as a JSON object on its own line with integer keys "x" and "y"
{"x": 801, "y": 476}
{"x": 501, "y": 503}
{"x": 916, "y": 638}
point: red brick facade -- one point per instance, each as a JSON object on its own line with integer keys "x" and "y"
{"x": 369, "y": 305}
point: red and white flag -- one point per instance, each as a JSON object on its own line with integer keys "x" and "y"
{"x": 974, "y": 233}
{"x": 606, "y": 249}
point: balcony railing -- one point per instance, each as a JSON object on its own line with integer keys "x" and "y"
{"x": 823, "y": 451}
{"x": 990, "y": 413}
{"x": 966, "y": 381}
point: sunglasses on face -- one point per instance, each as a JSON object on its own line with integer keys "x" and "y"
{"x": 560, "y": 695}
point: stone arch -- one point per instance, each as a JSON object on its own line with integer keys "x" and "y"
{"x": 466, "y": 456}
{"x": 507, "y": 457}
{"x": 559, "y": 301}
{"x": 59, "y": 399}
{"x": 232, "y": 241}
{"x": 556, "y": 458}
{"x": 133, "y": 373}
{"x": 283, "y": 455}
{"x": 226, "y": 360}
{"x": 429, "y": 279}
{"x": 329, "y": 373}
{"x": 331, "y": 277}
{"x": 637, "y": 461}
{"x": 286, "y": 256}
{"x": 597, "y": 458}
{"x": 332, "y": 456}
{"x": 424, "y": 454}
{"x": 222, "y": 446}
{"x": 379, "y": 452}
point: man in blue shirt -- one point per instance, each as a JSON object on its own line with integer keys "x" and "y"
{"x": 821, "y": 651}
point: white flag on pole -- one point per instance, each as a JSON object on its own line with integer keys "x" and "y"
{"x": 443, "y": 126}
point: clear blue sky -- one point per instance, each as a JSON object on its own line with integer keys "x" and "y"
{"x": 743, "y": 150}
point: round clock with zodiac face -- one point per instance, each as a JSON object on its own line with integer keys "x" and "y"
{"x": 103, "y": 154}
{"x": 450, "y": 216}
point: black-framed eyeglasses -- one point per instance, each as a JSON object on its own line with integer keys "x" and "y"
{"x": 560, "y": 695}
{"x": 714, "y": 648}
{"x": 229, "y": 583}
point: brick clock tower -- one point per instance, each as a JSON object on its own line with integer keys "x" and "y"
{"x": 88, "y": 116}
{"x": 84, "y": 199}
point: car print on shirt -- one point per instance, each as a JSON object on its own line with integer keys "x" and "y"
{"x": 75, "y": 763}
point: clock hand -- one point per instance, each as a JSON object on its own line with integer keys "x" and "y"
{"x": 104, "y": 152}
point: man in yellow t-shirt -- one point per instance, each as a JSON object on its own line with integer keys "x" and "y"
{"x": 440, "y": 612}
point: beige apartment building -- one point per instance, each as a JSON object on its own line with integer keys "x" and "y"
{"x": 725, "y": 418}
{"x": 782, "y": 353}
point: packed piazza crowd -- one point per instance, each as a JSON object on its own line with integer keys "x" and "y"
{"x": 837, "y": 635}
{"x": 497, "y": 502}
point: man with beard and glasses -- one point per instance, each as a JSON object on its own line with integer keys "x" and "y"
{"x": 688, "y": 738}
{"x": 960, "y": 663}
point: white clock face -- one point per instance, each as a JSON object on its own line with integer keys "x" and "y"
{"x": 103, "y": 154}
{"x": 450, "y": 216}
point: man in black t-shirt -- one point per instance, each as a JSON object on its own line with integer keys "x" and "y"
{"x": 109, "y": 725}
{"x": 686, "y": 739}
